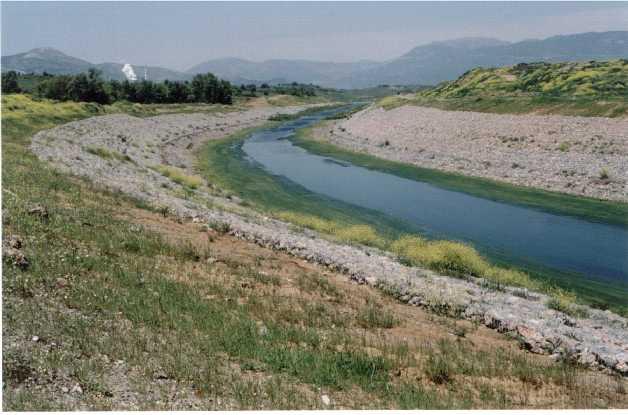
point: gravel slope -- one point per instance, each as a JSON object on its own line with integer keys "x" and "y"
{"x": 559, "y": 153}
{"x": 600, "y": 340}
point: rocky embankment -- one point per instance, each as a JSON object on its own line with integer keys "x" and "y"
{"x": 600, "y": 340}
{"x": 578, "y": 155}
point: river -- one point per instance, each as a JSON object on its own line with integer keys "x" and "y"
{"x": 597, "y": 251}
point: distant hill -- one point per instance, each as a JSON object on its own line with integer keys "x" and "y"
{"x": 56, "y": 62}
{"x": 155, "y": 73}
{"x": 44, "y": 60}
{"x": 441, "y": 61}
{"x": 282, "y": 70}
{"x": 427, "y": 64}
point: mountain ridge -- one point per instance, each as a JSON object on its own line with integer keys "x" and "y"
{"x": 426, "y": 64}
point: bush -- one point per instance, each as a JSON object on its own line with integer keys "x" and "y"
{"x": 374, "y": 316}
{"x": 9, "y": 83}
{"x": 362, "y": 234}
{"x": 438, "y": 369}
{"x": 178, "y": 176}
{"x": 107, "y": 154}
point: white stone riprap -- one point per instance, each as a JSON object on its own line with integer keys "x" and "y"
{"x": 559, "y": 153}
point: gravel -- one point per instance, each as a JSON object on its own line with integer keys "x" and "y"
{"x": 559, "y": 153}
{"x": 600, "y": 340}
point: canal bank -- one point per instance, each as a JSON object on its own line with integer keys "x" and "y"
{"x": 278, "y": 181}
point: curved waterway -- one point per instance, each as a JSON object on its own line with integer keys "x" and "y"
{"x": 526, "y": 236}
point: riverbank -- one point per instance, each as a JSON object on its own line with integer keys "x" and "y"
{"x": 598, "y": 335}
{"x": 122, "y": 291}
{"x": 584, "y": 156}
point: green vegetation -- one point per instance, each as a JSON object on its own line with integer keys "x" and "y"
{"x": 108, "y": 154}
{"x": 589, "y": 89}
{"x": 91, "y": 87}
{"x": 179, "y": 176}
{"x": 10, "y": 83}
{"x": 294, "y": 116}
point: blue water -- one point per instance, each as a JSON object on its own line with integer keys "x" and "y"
{"x": 596, "y": 250}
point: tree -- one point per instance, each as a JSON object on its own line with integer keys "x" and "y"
{"x": 9, "y": 83}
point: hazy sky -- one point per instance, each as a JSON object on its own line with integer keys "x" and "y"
{"x": 179, "y": 35}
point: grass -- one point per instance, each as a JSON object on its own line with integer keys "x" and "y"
{"x": 458, "y": 259}
{"x": 108, "y": 154}
{"x": 179, "y": 176}
{"x": 127, "y": 304}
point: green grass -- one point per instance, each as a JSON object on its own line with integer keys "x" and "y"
{"x": 179, "y": 176}
{"x": 294, "y": 116}
{"x": 108, "y": 154}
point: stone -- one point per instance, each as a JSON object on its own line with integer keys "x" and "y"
{"x": 262, "y": 330}
{"x": 15, "y": 242}
{"x": 325, "y": 399}
{"x": 38, "y": 210}
{"x": 16, "y": 258}
{"x": 531, "y": 339}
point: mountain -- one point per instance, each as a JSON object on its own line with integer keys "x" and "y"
{"x": 441, "y": 61}
{"x": 427, "y": 64}
{"x": 154, "y": 73}
{"x": 44, "y": 60}
{"x": 283, "y": 70}
{"x": 58, "y": 63}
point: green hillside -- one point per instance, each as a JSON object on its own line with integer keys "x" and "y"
{"x": 586, "y": 88}
{"x": 591, "y": 79}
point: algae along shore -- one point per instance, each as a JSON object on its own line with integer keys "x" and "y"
{"x": 236, "y": 237}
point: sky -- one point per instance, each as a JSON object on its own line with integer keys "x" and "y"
{"x": 179, "y": 35}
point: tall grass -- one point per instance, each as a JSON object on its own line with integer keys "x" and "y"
{"x": 179, "y": 176}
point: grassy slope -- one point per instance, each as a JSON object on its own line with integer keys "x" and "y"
{"x": 127, "y": 304}
{"x": 587, "y": 89}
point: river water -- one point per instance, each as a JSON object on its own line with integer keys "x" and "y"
{"x": 527, "y": 236}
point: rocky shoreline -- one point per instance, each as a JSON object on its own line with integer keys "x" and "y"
{"x": 133, "y": 146}
{"x": 585, "y": 156}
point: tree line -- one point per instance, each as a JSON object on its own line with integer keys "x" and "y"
{"x": 91, "y": 87}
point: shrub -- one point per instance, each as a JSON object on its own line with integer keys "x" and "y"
{"x": 442, "y": 256}
{"x": 308, "y": 221}
{"x": 178, "y": 176}
{"x": 107, "y": 154}
{"x": 220, "y": 227}
{"x": 604, "y": 174}
{"x": 438, "y": 369}
{"x": 374, "y": 316}
{"x": 362, "y": 234}
{"x": 565, "y": 302}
